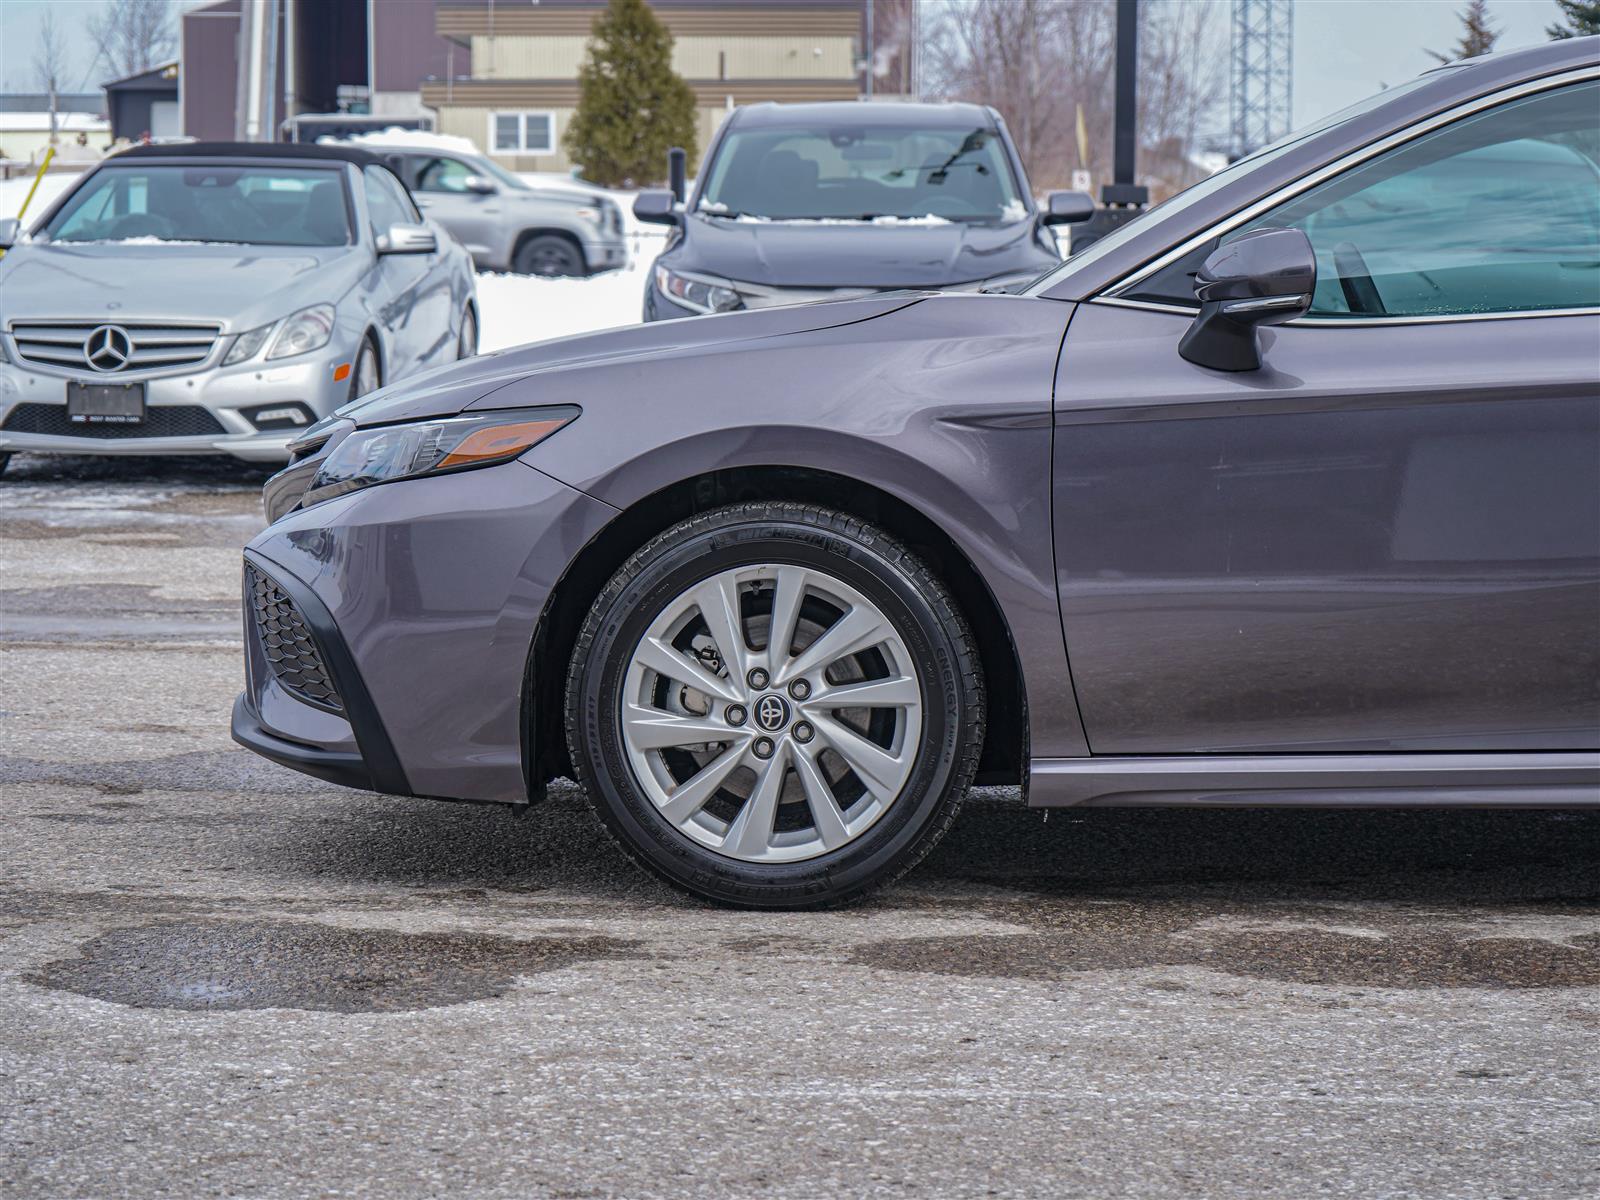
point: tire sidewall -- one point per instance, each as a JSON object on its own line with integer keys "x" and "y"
{"x": 666, "y": 573}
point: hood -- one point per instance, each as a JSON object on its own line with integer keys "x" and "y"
{"x": 857, "y": 253}
{"x": 241, "y": 286}
{"x": 477, "y": 383}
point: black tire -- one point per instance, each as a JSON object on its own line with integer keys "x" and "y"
{"x": 918, "y": 607}
{"x": 5, "y": 461}
{"x": 467, "y": 343}
{"x": 368, "y": 370}
{"x": 550, "y": 256}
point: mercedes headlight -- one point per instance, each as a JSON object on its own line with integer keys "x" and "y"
{"x": 699, "y": 292}
{"x": 247, "y": 345}
{"x": 309, "y": 329}
{"x": 390, "y": 452}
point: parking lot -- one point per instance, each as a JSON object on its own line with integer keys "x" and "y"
{"x": 224, "y": 978}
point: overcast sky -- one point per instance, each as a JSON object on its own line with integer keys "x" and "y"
{"x": 1344, "y": 49}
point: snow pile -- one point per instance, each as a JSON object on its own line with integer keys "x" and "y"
{"x": 749, "y": 219}
{"x": 394, "y": 135}
{"x": 14, "y": 191}
{"x": 525, "y": 308}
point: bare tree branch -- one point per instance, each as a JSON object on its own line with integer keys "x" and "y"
{"x": 133, "y": 35}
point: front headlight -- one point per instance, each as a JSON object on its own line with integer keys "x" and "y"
{"x": 309, "y": 329}
{"x": 391, "y": 452}
{"x": 701, "y": 293}
{"x": 247, "y": 345}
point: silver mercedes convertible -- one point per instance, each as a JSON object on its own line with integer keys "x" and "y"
{"x": 218, "y": 299}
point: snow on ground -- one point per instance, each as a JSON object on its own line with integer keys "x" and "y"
{"x": 14, "y": 191}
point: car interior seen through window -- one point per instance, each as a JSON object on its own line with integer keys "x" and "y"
{"x": 1494, "y": 213}
{"x": 863, "y": 173}
{"x": 265, "y": 206}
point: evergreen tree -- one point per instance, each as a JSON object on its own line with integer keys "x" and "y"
{"x": 632, "y": 106}
{"x": 1582, "y": 19}
{"x": 1477, "y": 36}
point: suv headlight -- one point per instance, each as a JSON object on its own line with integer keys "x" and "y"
{"x": 392, "y": 452}
{"x": 308, "y": 330}
{"x": 699, "y": 292}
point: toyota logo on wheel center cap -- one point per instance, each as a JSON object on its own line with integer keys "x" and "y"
{"x": 772, "y": 713}
{"x": 108, "y": 348}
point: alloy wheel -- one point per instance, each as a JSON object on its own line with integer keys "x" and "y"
{"x": 771, "y": 713}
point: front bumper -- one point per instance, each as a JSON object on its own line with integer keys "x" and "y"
{"x": 605, "y": 254}
{"x": 423, "y": 598}
{"x": 211, "y": 396}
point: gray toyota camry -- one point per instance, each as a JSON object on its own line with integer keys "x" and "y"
{"x": 219, "y": 298}
{"x": 1288, "y": 492}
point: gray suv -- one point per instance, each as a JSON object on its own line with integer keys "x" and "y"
{"x": 508, "y": 225}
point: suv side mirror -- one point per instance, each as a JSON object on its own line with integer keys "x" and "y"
{"x": 408, "y": 239}
{"x": 1265, "y": 277}
{"x": 1067, "y": 208}
{"x": 657, "y": 206}
{"x": 10, "y": 231}
{"x": 479, "y": 186}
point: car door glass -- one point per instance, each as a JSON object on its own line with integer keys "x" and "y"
{"x": 387, "y": 203}
{"x": 1499, "y": 212}
{"x": 443, "y": 175}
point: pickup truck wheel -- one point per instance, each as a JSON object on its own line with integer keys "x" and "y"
{"x": 549, "y": 256}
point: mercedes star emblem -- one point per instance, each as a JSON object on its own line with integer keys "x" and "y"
{"x": 108, "y": 348}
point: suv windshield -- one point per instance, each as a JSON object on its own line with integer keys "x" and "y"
{"x": 202, "y": 202}
{"x": 863, "y": 173}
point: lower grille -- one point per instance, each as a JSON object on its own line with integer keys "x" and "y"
{"x": 287, "y": 644}
{"x": 166, "y": 420}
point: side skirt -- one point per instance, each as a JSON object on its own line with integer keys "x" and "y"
{"x": 1489, "y": 780}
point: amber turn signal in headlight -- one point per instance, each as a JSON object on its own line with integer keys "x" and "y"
{"x": 391, "y": 452}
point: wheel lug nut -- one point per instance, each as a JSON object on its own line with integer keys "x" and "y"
{"x": 803, "y": 732}
{"x": 799, "y": 689}
{"x": 734, "y": 714}
{"x": 758, "y": 678}
{"x": 763, "y": 747}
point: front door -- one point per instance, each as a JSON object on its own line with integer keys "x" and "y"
{"x": 1388, "y": 538}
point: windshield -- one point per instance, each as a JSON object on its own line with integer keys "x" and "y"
{"x": 200, "y": 202}
{"x": 885, "y": 173}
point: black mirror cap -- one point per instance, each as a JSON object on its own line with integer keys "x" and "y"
{"x": 479, "y": 186}
{"x": 657, "y": 206}
{"x": 1266, "y": 277}
{"x": 1067, "y": 208}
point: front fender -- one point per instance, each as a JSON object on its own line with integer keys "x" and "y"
{"x": 944, "y": 404}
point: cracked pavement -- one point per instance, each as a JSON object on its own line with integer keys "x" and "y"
{"x": 221, "y": 978}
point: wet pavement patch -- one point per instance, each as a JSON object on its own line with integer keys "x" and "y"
{"x": 211, "y": 966}
{"x": 1072, "y": 939}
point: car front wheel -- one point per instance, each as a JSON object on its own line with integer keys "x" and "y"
{"x": 775, "y": 705}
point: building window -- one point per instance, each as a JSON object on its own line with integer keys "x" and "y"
{"x": 522, "y": 133}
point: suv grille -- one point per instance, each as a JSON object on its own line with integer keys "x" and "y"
{"x": 288, "y": 645}
{"x": 167, "y": 420}
{"x": 139, "y": 345}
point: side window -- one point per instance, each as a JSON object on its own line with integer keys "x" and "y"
{"x": 1499, "y": 212}
{"x": 442, "y": 175}
{"x": 387, "y": 203}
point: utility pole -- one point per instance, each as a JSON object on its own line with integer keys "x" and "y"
{"x": 1261, "y": 78}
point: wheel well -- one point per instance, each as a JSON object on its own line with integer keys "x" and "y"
{"x": 527, "y": 235}
{"x": 370, "y": 338}
{"x": 544, "y": 698}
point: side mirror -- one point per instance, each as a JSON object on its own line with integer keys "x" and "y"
{"x": 479, "y": 186}
{"x": 10, "y": 231}
{"x": 1067, "y": 208}
{"x": 407, "y": 239}
{"x": 657, "y": 206}
{"x": 1265, "y": 277}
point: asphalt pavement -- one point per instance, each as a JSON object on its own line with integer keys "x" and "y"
{"x": 221, "y": 978}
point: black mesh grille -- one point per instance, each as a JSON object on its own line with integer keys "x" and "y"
{"x": 288, "y": 645}
{"x": 167, "y": 420}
